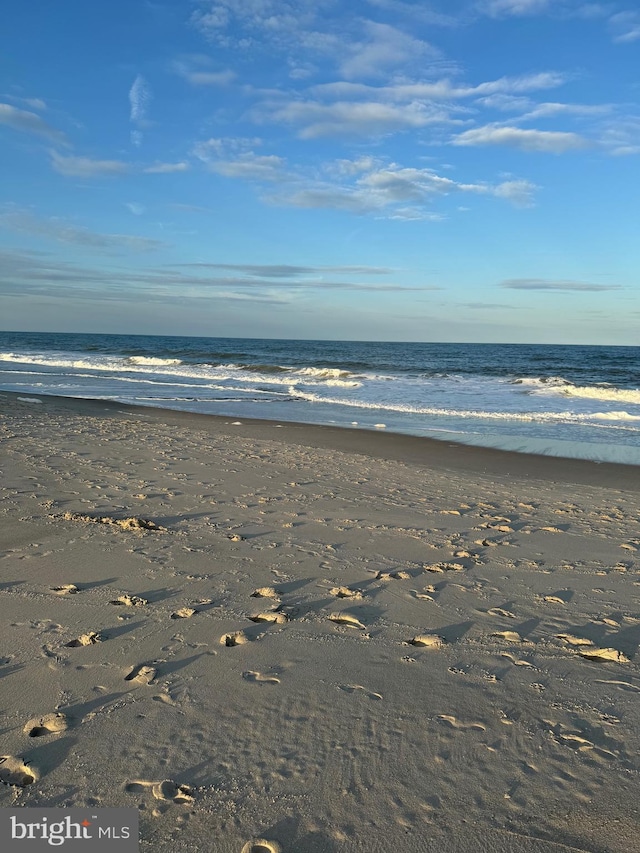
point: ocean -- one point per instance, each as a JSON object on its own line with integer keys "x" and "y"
{"x": 570, "y": 401}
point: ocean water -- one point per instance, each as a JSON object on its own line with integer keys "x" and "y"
{"x": 572, "y": 401}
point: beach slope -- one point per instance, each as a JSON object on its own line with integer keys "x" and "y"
{"x": 329, "y": 640}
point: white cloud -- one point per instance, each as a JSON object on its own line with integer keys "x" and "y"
{"x": 166, "y": 168}
{"x": 84, "y": 167}
{"x": 547, "y": 141}
{"x": 198, "y": 77}
{"x": 385, "y": 48}
{"x": 135, "y": 207}
{"x": 29, "y": 123}
{"x": 519, "y": 192}
{"x": 442, "y": 90}
{"x": 550, "y": 110}
{"x": 251, "y": 166}
{"x": 348, "y": 118}
{"x": 393, "y": 191}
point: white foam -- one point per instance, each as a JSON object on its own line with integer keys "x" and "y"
{"x": 153, "y": 362}
{"x": 557, "y": 386}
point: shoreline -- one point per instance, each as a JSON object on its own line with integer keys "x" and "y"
{"x": 416, "y": 450}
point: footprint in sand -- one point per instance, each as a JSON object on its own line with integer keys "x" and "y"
{"x": 509, "y": 636}
{"x": 166, "y": 790}
{"x": 345, "y": 592}
{"x": 422, "y": 596}
{"x": 236, "y": 638}
{"x": 89, "y": 639}
{"x": 274, "y": 616}
{"x": 65, "y": 589}
{"x": 259, "y": 678}
{"x": 345, "y": 619}
{"x": 354, "y": 688}
{"x": 13, "y": 771}
{"x": 51, "y": 724}
{"x": 498, "y": 611}
{"x": 265, "y": 592}
{"x": 184, "y": 613}
{"x": 428, "y": 641}
{"x": 454, "y": 723}
{"x": 603, "y": 655}
{"x": 261, "y": 845}
{"x": 142, "y": 674}
{"x": 129, "y": 601}
{"x": 398, "y": 575}
{"x": 574, "y": 641}
{"x": 622, "y": 685}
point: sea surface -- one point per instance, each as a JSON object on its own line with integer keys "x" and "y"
{"x": 571, "y": 401}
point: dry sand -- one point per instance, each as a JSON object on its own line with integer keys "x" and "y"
{"x": 333, "y": 641}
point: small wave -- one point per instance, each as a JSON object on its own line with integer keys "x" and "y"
{"x": 341, "y": 383}
{"x": 256, "y": 368}
{"x": 548, "y": 417}
{"x": 323, "y": 372}
{"x": 542, "y": 381}
{"x": 601, "y": 391}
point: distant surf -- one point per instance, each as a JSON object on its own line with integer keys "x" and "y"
{"x": 558, "y": 400}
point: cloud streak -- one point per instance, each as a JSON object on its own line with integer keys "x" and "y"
{"x": 85, "y": 167}
{"x": 139, "y": 100}
{"x": 28, "y": 122}
{"x": 24, "y": 222}
{"x": 34, "y": 273}
{"x": 558, "y": 285}
{"x": 545, "y": 141}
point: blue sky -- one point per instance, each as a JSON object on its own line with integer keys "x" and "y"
{"x": 380, "y": 169}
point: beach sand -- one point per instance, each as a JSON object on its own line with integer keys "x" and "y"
{"x": 330, "y": 640}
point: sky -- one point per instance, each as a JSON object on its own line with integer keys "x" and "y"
{"x": 455, "y": 170}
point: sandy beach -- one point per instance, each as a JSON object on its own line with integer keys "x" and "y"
{"x": 279, "y": 637}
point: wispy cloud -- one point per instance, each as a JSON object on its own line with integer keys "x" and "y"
{"x": 393, "y": 191}
{"x": 547, "y": 141}
{"x": 203, "y": 77}
{"x": 625, "y": 26}
{"x": 139, "y": 100}
{"x": 289, "y": 271}
{"x": 498, "y": 8}
{"x": 166, "y": 168}
{"x": 561, "y": 285}
{"x": 383, "y": 49}
{"x": 29, "y": 122}
{"x": 357, "y": 119}
{"x": 362, "y": 185}
{"x": 85, "y": 167}
{"x": 487, "y": 306}
{"x": 268, "y": 167}
{"x": 24, "y": 273}
{"x": 442, "y": 89}
{"x": 61, "y": 231}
